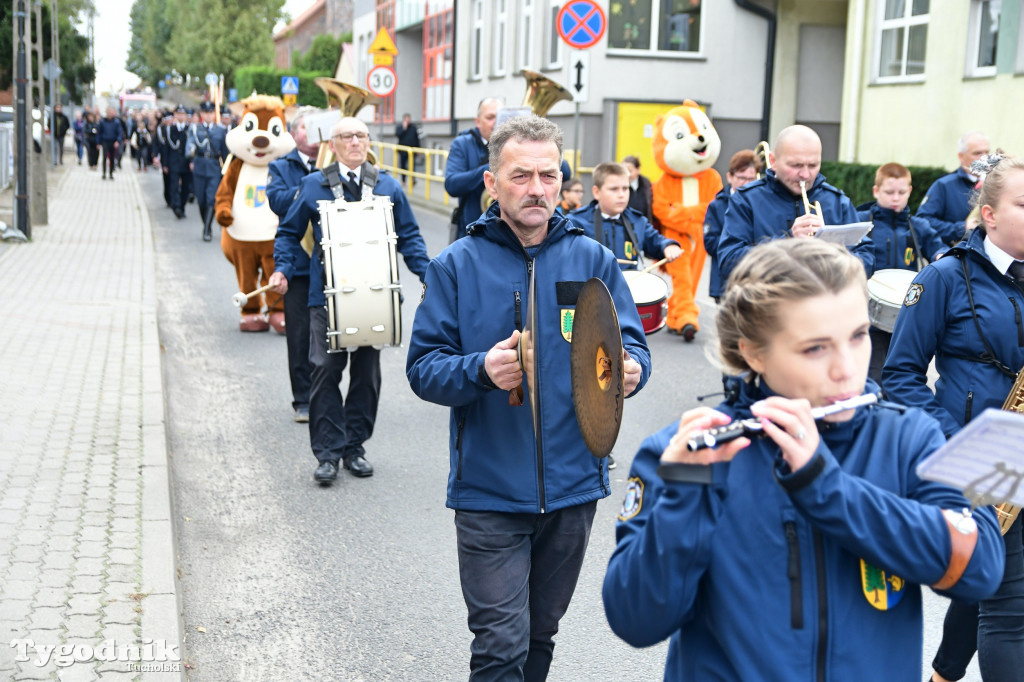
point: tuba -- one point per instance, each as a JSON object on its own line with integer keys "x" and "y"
{"x": 542, "y": 93}
{"x": 762, "y": 149}
{"x": 349, "y": 99}
{"x": 1006, "y": 512}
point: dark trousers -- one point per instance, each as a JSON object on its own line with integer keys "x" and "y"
{"x": 296, "y": 332}
{"x": 206, "y": 192}
{"x": 178, "y": 185}
{"x": 109, "y": 157}
{"x": 93, "y": 153}
{"x": 880, "y": 341}
{"x": 518, "y": 573}
{"x": 993, "y": 627}
{"x": 339, "y": 427}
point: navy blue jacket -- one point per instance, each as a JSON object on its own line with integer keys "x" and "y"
{"x": 110, "y": 130}
{"x": 464, "y": 175}
{"x": 947, "y": 204}
{"x": 288, "y": 253}
{"x": 714, "y": 220}
{"x": 894, "y": 247}
{"x": 757, "y": 576}
{"x": 474, "y": 296}
{"x": 175, "y": 145}
{"x": 283, "y": 179}
{"x": 936, "y": 321}
{"x": 765, "y": 209}
{"x": 617, "y": 240}
{"x": 206, "y": 149}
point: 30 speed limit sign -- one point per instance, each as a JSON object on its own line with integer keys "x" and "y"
{"x": 381, "y": 81}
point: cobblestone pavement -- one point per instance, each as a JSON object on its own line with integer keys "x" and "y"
{"x": 87, "y": 560}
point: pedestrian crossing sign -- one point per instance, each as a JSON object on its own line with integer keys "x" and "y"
{"x": 289, "y": 85}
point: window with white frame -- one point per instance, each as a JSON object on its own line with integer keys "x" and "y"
{"x": 983, "y": 37}
{"x": 902, "y": 37}
{"x": 498, "y": 48}
{"x": 525, "y": 50}
{"x": 476, "y": 40}
{"x": 669, "y": 26}
{"x": 1019, "y": 67}
{"x": 553, "y": 48}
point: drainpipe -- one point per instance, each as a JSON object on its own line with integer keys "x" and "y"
{"x": 769, "y": 66}
{"x": 454, "y": 122}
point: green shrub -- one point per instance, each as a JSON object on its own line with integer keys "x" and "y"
{"x": 856, "y": 179}
{"x": 266, "y": 80}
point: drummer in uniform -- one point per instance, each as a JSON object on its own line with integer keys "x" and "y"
{"x": 772, "y": 207}
{"x": 609, "y": 220}
{"x": 900, "y": 240}
{"x": 338, "y": 428}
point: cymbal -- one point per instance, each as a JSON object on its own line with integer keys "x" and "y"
{"x": 595, "y": 360}
{"x": 528, "y": 351}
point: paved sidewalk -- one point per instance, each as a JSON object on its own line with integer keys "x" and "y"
{"x": 87, "y": 555}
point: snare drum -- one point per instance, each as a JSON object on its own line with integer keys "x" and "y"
{"x": 360, "y": 274}
{"x": 650, "y": 293}
{"x": 886, "y": 291}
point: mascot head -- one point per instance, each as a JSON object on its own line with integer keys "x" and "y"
{"x": 685, "y": 142}
{"x": 260, "y": 136}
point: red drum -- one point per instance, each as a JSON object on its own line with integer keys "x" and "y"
{"x": 650, "y": 293}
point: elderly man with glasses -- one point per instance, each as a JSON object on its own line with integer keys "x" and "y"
{"x": 339, "y": 427}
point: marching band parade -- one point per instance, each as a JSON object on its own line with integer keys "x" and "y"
{"x": 792, "y": 528}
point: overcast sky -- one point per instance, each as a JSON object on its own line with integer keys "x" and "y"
{"x": 112, "y": 29}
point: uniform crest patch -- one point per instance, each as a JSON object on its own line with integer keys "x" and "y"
{"x": 423, "y": 294}
{"x": 882, "y": 589}
{"x": 633, "y": 502}
{"x": 565, "y": 323}
{"x": 908, "y": 256}
{"x": 630, "y": 251}
{"x": 255, "y": 195}
{"x": 913, "y": 294}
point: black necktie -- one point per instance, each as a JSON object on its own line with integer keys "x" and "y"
{"x": 312, "y": 164}
{"x": 1016, "y": 271}
{"x": 353, "y": 186}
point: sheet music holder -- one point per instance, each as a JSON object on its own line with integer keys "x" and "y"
{"x": 985, "y": 459}
{"x": 846, "y": 235}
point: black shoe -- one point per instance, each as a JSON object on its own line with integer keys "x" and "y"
{"x": 207, "y": 236}
{"x": 301, "y": 413}
{"x": 103, "y": 177}
{"x": 358, "y": 466}
{"x": 326, "y": 472}
{"x": 689, "y": 331}
{"x": 611, "y": 462}
{"x": 179, "y": 213}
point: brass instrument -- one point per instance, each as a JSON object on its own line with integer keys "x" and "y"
{"x": 542, "y": 93}
{"x": 1006, "y": 512}
{"x": 763, "y": 149}
{"x": 808, "y": 207}
{"x": 349, "y": 99}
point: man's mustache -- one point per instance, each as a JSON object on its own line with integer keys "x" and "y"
{"x": 535, "y": 202}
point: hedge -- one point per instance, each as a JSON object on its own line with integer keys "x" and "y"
{"x": 856, "y": 179}
{"x": 266, "y": 80}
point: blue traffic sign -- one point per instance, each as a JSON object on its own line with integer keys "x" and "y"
{"x": 289, "y": 85}
{"x": 581, "y": 23}
{"x": 232, "y": 94}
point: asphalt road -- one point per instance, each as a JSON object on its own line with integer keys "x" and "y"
{"x": 283, "y": 579}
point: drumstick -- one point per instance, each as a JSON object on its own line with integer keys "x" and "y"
{"x": 656, "y": 265}
{"x": 239, "y": 299}
{"x": 623, "y": 261}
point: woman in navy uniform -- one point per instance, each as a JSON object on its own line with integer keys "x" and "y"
{"x": 799, "y": 555}
{"x": 965, "y": 311}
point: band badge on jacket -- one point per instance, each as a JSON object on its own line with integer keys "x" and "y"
{"x": 908, "y": 256}
{"x": 633, "y": 502}
{"x": 913, "y": 294}
{"x": 629, "y": 250}
{"x": 565, "y": 324}
{"x": 255, "y": 195}
{"x": 882, "y": 589}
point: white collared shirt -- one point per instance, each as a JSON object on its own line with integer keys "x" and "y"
{"x": 605, "y": 216}
{"x": 999, "y": 258}
{"x": 358, "y": 170}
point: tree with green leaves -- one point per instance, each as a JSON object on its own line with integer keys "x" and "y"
{"x": 322, "y": 56}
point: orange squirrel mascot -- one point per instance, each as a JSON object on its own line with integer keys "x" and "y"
{"x": 241, "y": 206}
{"x": 686, "y": 147}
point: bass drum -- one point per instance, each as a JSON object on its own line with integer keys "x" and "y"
{"x": 650, "y": 294}
{"x": 360, "y": 274}
{"x": 886, "y": 291}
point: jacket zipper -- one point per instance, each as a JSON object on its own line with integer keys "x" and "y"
{"x": 796, "y": 606}
{"x": 539, "y": 412}
{"x": 967, "y": 407}
{"x": 458, "y": 447}
{"x": 819, "y": 563}
{"x": 1016, "y": 317}
{"x": 519, "y": 311}
{"x": 890, "y": 257}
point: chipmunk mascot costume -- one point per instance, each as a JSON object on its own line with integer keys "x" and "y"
{"x": 685, "y": 146}
{"x": 242, "y": 208}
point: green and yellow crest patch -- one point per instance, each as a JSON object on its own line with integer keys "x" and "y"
{"x": 565, "y": 323}
{"x": 882, "y": 589}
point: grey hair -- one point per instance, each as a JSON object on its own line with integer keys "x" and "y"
{"x": 300, "y": 116}
{"x": 522, "y": 129}
{"x": 485, "y": 101}
{"x": 961, "y": 145}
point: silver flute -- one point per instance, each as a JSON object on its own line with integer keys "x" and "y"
{"x": 751, "y": 428}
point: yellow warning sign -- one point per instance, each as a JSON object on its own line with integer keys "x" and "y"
{"x": 381, "y": 59}
{"x": 383, "y": 44}
{"x": 289, "y": 99}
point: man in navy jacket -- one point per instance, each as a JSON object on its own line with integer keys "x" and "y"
{"x": 948, "y": 201}
{"x": 524, "y": 502}
{"x": 338, "y": 428}
{"x": 467, "y": 161}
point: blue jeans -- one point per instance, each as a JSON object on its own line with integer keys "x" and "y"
{"x": 993, "y": 627}
{"x": 518, "y": 573}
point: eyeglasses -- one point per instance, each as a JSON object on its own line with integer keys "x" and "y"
{"x": 578, "y": 190}
{"x": 347, "y": 137}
